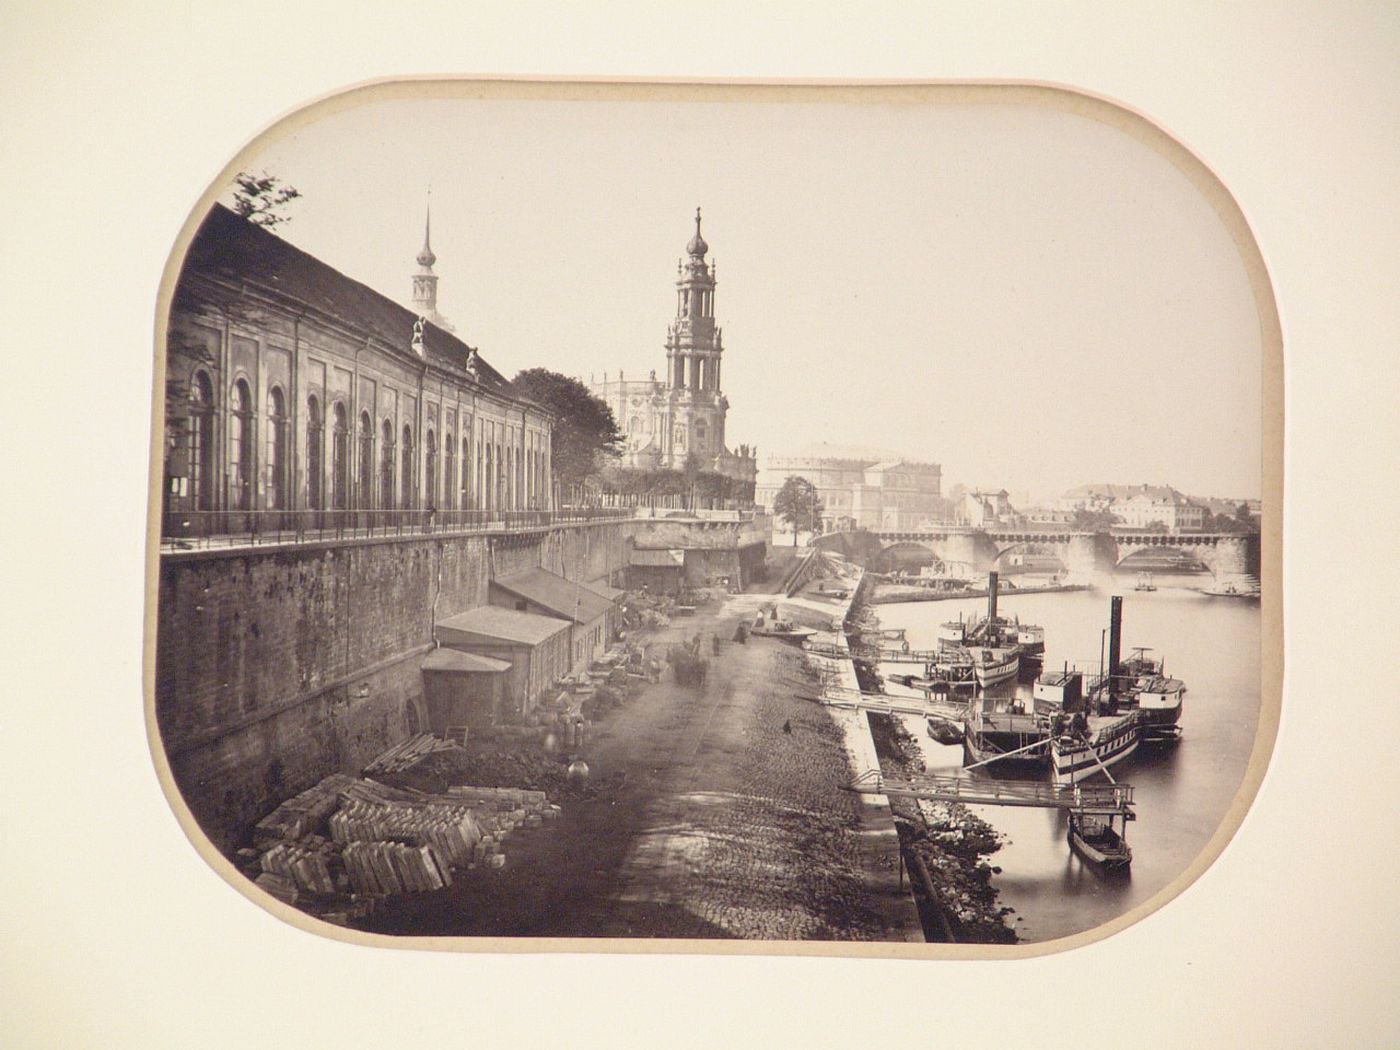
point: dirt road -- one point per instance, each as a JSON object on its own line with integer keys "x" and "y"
{"x": 723, "y": 824}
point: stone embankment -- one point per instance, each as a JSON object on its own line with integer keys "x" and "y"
{"x": 944, "y": 845}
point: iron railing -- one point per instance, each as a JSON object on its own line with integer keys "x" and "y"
{"x": 188, "y": 530}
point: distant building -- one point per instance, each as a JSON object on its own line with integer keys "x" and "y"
{"x": 868, "y": 488}
{"x": 1138, "y": 506}
{"x": 983, "y": 509}
{"x": 666, "y": 421}
{"x": 1164, "y": 506}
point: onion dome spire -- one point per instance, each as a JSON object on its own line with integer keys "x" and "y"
{"x": 697, "y": 246}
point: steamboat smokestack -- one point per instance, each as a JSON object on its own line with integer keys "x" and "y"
{"x": 991, "y": 596}
{"x": 1115, "y": 641}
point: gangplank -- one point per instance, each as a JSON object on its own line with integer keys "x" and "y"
{"x": 1095, "y": 799}
{"x": 880, "y": 703}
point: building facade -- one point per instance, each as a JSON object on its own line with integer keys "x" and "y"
{"x": 666, "y": 421}
{"x": 1138, "y": 506}
{"x": 861, "y": 488}
{"x": 298, "y": 397}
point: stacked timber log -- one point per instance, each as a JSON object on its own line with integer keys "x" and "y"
{"x": 306, "y": 863}
{"x": 407, "y": 753}
{"x": 302, "y": 814}
{"x": 385, "y": 868}
{"x": 369, "y": 840}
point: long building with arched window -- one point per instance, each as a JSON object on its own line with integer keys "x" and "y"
{"x": 299, "y": 398}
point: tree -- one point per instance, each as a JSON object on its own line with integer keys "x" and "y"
{"x": 585, "y": 435}
{"x": 1087, "y": 520}
{"x": 798, "y": 503}
{"x": 258, "y": 198}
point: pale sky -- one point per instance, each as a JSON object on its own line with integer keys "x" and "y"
{"x": 1028, "y": 297}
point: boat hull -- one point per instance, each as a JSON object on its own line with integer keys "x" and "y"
{"x": 1111, "y": 853}
{"x": 1000, "y": 667}
{"x": 1072, "y": 759}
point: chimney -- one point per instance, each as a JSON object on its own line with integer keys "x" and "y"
{"x": 991, "y": 596}
{"x": 1115, "y": 641}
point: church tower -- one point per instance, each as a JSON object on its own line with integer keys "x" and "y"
{"x": 693, "y": 347}
{"x": 425, "y": 281}
{"x": 692, "y": 341}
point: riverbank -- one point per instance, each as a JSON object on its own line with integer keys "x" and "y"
{"x": 943, "y": 844}
{"x": 891, "y": 593}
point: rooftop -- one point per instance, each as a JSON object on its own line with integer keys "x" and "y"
{"x": 508, "y": 625}
{"x": 558, "y": 595}
{"x": 457, "y": 661}
{"x": 231, "y": 248}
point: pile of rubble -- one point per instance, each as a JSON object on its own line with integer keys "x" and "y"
{"x": 337, "y": 847}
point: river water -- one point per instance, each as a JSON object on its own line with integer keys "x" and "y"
{"x": 1182, "y": 790}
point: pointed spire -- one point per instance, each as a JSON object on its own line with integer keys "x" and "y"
{"x": 426, "y": 256}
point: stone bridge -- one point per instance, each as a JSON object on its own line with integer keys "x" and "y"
{"x": 975, "y": 550}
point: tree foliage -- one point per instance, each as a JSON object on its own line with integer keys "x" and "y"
{"x": 1088, "y": 520}
{"x": 798, "y": 503}
{"x": 585, "y": 434}
{"x": 260, "y": 198}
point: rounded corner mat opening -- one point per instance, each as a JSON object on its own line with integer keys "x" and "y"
{"x": 520, "y": 584}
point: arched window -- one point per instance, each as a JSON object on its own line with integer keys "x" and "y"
{"x": 276, "y": 449}
{"x": 407, "y": 473}
{"x": 364, "y": 496}
{"x": 466, "y": 473}
{"x": 240, "y": 447}
{"x": 340, "y": 457}
{"x": 430, "y": 472}
{"x": 449, "y": 471}
{"x": 489, "y": 491}
{"x": 315, "y": 455}
{"x": 386, "y": 466}
{"x": 202, "y": 441}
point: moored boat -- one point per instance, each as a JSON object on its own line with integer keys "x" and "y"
{"x": 1002, "y": 732}
{"x": 1083, "y": 745}
{"x": 1158, "y": 702}
{"x": 944, "y": 731}
{"x": 994, "y": 664}
{"x": 1096, "y": 838}
{"x": 776, "y": 628}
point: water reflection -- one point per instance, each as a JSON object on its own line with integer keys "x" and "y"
{"x": 1183, "y": 789}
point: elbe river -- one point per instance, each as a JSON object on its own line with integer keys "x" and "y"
{"x": 1182, "y": 789}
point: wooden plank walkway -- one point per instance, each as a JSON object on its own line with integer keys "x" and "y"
{"x": 1086, "y": 798}
{"x": 854, "y": 700}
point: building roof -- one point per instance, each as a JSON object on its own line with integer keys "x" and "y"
{"x": 612, "y": 594}
{"x": 560, "y": 596}
{"x": 494, "y": 622}
{"x": 665, "y": 559}
{"x": 231, "y": 248}
{"x": 456, "y": 661}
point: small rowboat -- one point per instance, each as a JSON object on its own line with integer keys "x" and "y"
{"x": 1097, "y": 840}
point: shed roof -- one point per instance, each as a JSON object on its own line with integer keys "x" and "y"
{"x": 494, "y": 622}
{"x": 560, "y": 596}
{"x": 456, "y": 660}
{"x": 612, "y": 594}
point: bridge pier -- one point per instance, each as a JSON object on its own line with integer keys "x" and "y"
{"x": 1089, "y": 554}
{"x": 973, "y": 552}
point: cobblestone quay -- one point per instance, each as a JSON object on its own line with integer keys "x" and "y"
{"x": 712, "y": 820}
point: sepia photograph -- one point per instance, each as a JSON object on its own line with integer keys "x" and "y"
{"x": 642, "y": 525}
{"x": 519, "y": 576}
